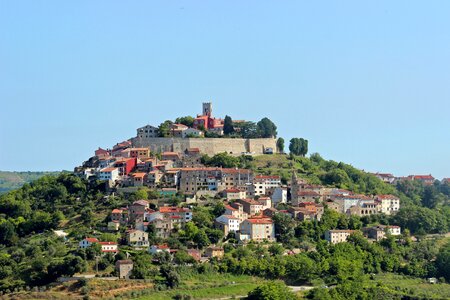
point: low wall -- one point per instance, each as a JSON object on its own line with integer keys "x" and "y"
{"x": 210, "y": 146}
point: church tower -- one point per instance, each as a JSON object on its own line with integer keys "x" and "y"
{"x": 207, "y": 109}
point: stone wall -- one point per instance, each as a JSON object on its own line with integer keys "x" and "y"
{"x": 210, "y": 146}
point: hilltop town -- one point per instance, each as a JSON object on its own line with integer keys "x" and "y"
{"x": 207, "y": 194}
{"x": 250, "y": 200}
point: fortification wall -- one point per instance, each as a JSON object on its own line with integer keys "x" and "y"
{"x": 210, "y": 146}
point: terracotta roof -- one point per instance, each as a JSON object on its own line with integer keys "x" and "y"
{"x": 116, "y": 211}
{"x": 108, "y": 243}
{"x": 139, "y": 174}
{"x": 169, "y": 209}
{"x": 92, "y": 240}
{"x": 230, "y": 208}
{"x": 141, "y": 202}
{"x": 260, "y": 221}
{"x": 267, "y": 177}
{"x": 342, "y": 230}
{"x": 232, "y": 191}
{"x": 139, "y": 149}
{"x": 163, "y": 246}
{"x": 108, "y": 169}
{"x": 387, "y": 197}
{"x": 193, "y": 150}
{"x": 422, "y": 177}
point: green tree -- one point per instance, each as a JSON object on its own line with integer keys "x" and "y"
{"x": 201, "y": 239}
{"x": 164, "y": 128}
{"x": 295, "y": 146}
{"x": 271, "y": 291}
{"x": 266, "y": 128}
{"x": 228, "y": 125}
{"x": 187, "y": 120}
{"x": 429, "y": 198}
{"x": 248, "y": 130}
{"x": 284, "y": 227}
{"x": 443, "y": 262}
{"x": 141, "y": 194}
{"x": 280, "y": 145}
{"x": 8, "y": 234}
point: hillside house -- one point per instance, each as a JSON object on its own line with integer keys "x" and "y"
{"x": 379, "y": 232}
{"x": 338, "y": 236}
{"x": 87, "y": 242}
{"x": 227, "y": 224}
{"x": 147, "y": 131}
{"x": 109, "y": 174}
{"x": 258, "y": 229}
{"x": 137, "y": 238}
{"x": 390, "y": 204}
{"x": 124, "y": 268}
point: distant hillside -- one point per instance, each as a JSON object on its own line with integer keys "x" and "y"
{"x": 14, "y": 180}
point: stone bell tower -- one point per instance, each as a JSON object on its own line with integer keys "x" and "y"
{"x": 207, "y": 109}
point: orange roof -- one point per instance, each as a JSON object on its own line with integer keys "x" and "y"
{"x": 139, "y": 149}
{"x": 422, "y": 177}
{"x": 91, "y": 240}
{"x": 139, "y": 174}
{"x": 116, "y": 211}
{"x": 230, "y": 208}
{"x": 267, "y": 177}
{"x": 108, "y": 243}
{"x": 108, "y": 169}
{"x": 169, "y": 209}
{"x": 232, "y": 191}
{"x": 382, "y": 197}
{"x": 260, "y": 221}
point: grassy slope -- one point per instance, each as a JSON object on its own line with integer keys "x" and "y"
{"x": 414, "y": 286}
{"x": 14, "y": 180}
{"x": 210, "y": 287}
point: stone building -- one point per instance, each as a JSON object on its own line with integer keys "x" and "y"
{"x": 124, "y": 268}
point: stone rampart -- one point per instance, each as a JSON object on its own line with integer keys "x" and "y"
{"x": 210, "y": 146}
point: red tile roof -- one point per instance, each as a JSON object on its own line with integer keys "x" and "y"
{"x": 232, "y": 191}
{"x": 275, "y": 177}
{"x": 108, "y": 170}
{"x": 92, "y": 240}
{"x": 170, "y": 209}
{"x": 139, "y": 174}
{"x": 383, "y": 197}
{"x": 108, "y": 243}
{"x": 260, "y": 221}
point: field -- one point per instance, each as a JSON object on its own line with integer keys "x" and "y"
{"x": 210, "y": 287}
{"x": 420, "y": 288}
{"x": 14, "y": 180}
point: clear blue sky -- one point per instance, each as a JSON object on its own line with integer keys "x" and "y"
{"x": 366, "y": 82}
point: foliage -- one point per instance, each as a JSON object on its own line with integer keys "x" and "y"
{"x": 164, "y": 128}
{"x": 266, "y": 128}
{"x": 228, "y": 126}
{"x": 280, "y": 145}
{"x": 220, "y": 160}
{"x": 187, "y": 120}
{"x": 298, "y": 146}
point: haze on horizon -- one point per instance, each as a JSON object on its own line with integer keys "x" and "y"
{"x": 366, "y": 83}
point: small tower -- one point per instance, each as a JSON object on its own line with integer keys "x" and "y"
{"x": 207, "y": 109}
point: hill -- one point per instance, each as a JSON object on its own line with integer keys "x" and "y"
{"x": 13, "y": 180}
